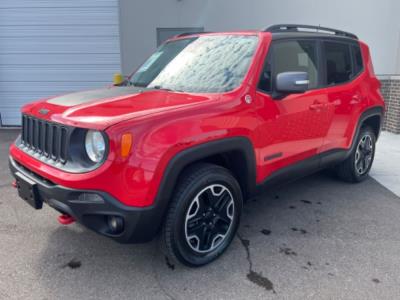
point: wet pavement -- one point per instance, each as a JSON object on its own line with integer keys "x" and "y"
{"x": 316, "y": 238}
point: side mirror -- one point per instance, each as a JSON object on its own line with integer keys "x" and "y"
{"x": 292, "y": 82}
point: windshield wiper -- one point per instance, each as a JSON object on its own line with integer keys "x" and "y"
{"x": 159, "y": 87}
{"x": 138, "y": 84}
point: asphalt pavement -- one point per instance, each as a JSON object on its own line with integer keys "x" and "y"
{"x": 316, "y": 238}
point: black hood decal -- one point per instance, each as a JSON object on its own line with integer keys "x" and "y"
{"x": 87, "y": 96}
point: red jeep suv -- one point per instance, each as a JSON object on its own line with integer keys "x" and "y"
{"x": 208, "y": 121}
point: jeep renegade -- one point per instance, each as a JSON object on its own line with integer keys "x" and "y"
{"x": 208, "y": 121}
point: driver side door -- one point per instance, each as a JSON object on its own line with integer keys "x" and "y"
{"x": 292, "y": 126}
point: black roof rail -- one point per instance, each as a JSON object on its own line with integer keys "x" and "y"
{"x": 190, "y": 33}
{"x": 299, "y": 27}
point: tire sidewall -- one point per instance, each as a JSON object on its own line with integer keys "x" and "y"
{"x": 182, "y": 250}
{"x": 365, "y": 131}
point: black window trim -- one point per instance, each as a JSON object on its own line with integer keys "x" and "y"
{"x": 322, "y": 74}
{"x": 350, "y": 45}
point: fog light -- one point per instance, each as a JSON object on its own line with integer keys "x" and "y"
{"x": 90, "y": 198}
{"x": 115, "y": 224}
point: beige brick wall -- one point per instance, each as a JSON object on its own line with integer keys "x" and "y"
{"x": 391, "y": 92}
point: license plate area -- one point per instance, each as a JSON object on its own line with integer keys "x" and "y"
{"x": 28, "y": 191}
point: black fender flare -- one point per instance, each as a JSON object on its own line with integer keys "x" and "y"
{"x": 196, "y": 153}
{"x": 370, "y": 112}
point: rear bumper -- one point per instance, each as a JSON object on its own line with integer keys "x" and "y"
{"x": 91, "y": 208}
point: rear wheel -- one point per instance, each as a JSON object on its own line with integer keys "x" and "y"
{"x": 357, "y": 166}
{"x": 203, "y": 216}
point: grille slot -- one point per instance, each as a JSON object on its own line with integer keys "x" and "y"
{"x": 45, "y": 138}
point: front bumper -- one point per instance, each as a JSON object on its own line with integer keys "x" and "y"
{"x": 91, "y": 208}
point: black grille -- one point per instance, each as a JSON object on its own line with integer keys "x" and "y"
{"x": 45, "y": 138}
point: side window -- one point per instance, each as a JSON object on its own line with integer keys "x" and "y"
{"x": 357, "y": 58}
{"x": 338, "y": 63}
{"x": 290, "y": 56}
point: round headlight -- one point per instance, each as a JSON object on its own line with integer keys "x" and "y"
{"x": 95, "y": 145}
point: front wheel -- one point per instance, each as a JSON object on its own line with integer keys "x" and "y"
{"x": 357, "y": 166}
{"x": 204, "y": 215}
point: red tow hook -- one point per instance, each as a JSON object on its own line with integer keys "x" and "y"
{"x": 65, "y": 219}
{"x": 14, "y": 183}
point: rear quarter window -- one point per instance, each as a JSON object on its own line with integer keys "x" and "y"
{"x": 357, "y": 59}
{"x": 338, "y": 63}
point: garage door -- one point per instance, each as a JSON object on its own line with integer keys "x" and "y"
{"x": 52, "y": 47}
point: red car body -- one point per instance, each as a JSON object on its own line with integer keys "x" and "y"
{"x": 164, "y": 124}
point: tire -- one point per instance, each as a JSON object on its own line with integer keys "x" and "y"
{"x": 203, "y": 216}
{"x": 350, "y": 170}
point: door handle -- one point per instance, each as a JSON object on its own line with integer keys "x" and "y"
{"x": 317, "y": 105}
{"x": 355, "y": 99}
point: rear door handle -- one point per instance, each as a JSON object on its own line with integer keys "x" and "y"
{"x": 355, "y": 99}
{"x": 317, "y": 105}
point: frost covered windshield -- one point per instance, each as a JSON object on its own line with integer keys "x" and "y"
{"x": 205, "y": 64}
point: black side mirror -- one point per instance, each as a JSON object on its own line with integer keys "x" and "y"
{"x": 292, "y": 82}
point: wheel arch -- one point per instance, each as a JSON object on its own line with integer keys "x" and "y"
{"x": 371, "y": 117}
{"x": 374, "y": 121}
{"x": 235, "y": 153}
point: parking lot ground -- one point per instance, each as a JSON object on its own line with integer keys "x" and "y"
{"x": 316, "y": 238}
{"x": 386, "y": 169}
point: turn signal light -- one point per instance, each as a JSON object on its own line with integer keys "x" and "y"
{"x": 126, "y": 144}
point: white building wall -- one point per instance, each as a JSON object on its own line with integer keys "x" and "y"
{"x": 375, "y": 22}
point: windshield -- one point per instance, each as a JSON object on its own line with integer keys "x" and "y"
{"x": 205, "y": 64}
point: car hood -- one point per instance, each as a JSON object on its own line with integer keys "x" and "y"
{"x": 101, "y": 108}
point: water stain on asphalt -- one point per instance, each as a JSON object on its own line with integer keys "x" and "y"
{"x": 309, "y": 265}
{"x": 73, "y": 264}
{"x": 287, "y": 251}
{"x": 169, "y": 264}
{"x": 8, "y": 228}
{"x": 253, "y": 276}
{"x": 266, "y": 232}
{"x": 306, "y": 201}
{"x": 261, "y": 281}
{"x": 292, "y": 207}
{"x": 376, "y": 280}
{"x": 302, "y": 231}
{"x": 246, "y": 244}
